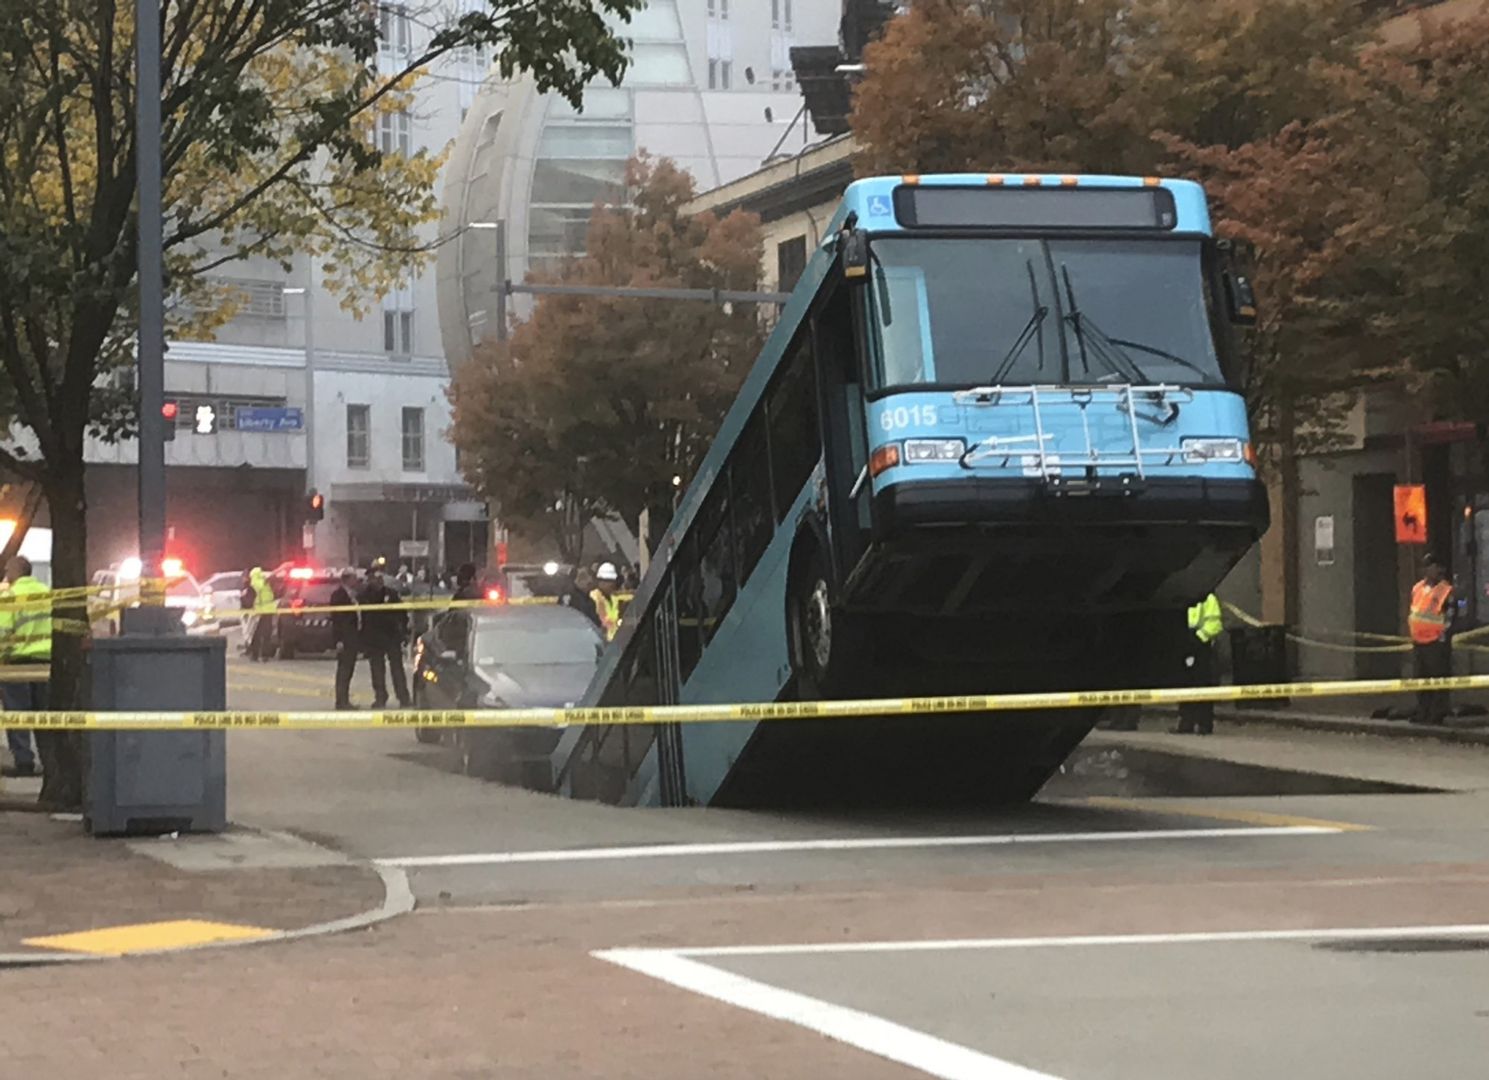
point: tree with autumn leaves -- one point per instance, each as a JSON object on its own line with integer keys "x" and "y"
{"x": 595, "y": 403}
{"x": 269, "y": 110}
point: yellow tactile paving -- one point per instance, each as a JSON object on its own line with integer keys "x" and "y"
{"x": 143, "y": 937}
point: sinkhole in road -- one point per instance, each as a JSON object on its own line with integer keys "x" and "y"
{"x": 1140, "y": 772}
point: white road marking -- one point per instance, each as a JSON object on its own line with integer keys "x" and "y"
{"x": 1357, "y": 933}
{"x": 873, "y": 843}
{"x": 933, "y": 1056}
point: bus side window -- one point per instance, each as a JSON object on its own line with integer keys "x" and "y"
{"x": 716, "y": 542}
{"x": 749, "y": 477}
{"x": 689, "y": 645}
{"x": 791, "y": 408}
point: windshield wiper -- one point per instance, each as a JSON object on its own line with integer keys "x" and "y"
{"x": 1102, "y": 347}
{"x": 1031, "y": 328}
{"x": 1112, "y": 351}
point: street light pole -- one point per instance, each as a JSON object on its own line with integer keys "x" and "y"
{"x": 151, "y": 345}
{"x": 308, "y": 336}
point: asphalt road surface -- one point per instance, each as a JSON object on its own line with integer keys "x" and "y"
{"x": 1205, "y": 927}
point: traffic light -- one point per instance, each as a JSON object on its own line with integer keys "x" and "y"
{"x": 168, "y": 414}
{"x": 206, "y": 420}
{"x": 315, "y": 506}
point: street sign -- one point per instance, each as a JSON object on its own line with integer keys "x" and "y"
{"x": 413, "y": 549}
{"x": 1411, "y": 513}
{"x": 269, "y": 418}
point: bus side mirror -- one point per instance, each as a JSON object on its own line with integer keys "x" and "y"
{"x": 1240, "y": 300}
{"x": 854, "y": 246}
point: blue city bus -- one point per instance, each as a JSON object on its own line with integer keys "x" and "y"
{"x": 995, "y": 443}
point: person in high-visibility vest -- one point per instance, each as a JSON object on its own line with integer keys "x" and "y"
{"x": 1430, "y": 621}
{"x": 265, "y": 603}
{"x": 26, "y": 637}
{"x": 1205, "y": 623}
{"x": 606, "y": 604}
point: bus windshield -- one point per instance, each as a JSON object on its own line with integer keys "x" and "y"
{"x": 980, "y": 312}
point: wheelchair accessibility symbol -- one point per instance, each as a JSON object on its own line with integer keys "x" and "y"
{"x": 878, "y": 206}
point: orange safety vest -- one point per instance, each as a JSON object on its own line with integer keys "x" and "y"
{"x": 1428, "y": 618}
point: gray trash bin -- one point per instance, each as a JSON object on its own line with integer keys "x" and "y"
{"x": 152, "y": 782}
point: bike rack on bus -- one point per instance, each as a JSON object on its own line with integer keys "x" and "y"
{"x": 1034, "y": 450}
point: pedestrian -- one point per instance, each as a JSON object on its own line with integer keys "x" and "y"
{"x": 346, "y": 631}
{"x": 607, "y": 580}
{"x": 466, "y": 585}
{"x": 261, "y": 642}
{"x": 383, "y": 635}
{"x": 1205, "y": 624}
{"x": 1430, "y": 620}
{"x": 579, "y": 596}
{"x": 26, "y": 637}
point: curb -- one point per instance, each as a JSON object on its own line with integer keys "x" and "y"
{"x": 1345, "y": 725}
{"x": 398, "y": 899}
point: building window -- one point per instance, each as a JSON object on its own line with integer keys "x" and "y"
{"x": 713, "y": 74}
{"x": 395, "y": 35}
{"x": 395, "y": 133}
{"x": 358, "y": 436}
{"x": 413, "y": 440}
{"x": 780, "y": 15}
{"x": 726, "y": 74}
{"x": 398, "y": 321}
{"x": 791, "y": 260}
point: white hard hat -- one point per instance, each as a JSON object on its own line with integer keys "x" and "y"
{"x": 607, "y": 572}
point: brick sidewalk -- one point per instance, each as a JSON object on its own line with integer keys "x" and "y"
{"x": 55, "y": 879}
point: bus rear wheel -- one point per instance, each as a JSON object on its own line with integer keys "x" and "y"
{"x": 826, "y": 642}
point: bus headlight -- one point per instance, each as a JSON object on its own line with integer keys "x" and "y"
{"x": 923, "y": 451}
{"x": 1199, "y": 451}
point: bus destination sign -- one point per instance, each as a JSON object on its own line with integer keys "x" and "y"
{"x": 1034, "y": 208}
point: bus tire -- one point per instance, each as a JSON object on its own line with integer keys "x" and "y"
{"x": 825, "y": 642}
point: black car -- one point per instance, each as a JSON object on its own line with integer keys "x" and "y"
{"x": 311, "y": 632}
{"x": 505, "y": 657}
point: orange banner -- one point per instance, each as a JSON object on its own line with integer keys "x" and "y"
{"x": 1411, "y": 514}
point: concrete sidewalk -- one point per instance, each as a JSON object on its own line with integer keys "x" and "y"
{"x": 1307, "y": 716}
{"x": 60, "y": 889}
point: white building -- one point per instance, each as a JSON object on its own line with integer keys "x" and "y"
{"x": 358, "y": 406}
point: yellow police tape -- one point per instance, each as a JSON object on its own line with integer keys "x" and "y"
{"x": 1397, "y": 644}
{"x": 714, "y": 714}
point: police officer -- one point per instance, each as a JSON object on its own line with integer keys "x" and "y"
{"x": 466, "y": 585}
{"x": 383, "y": 634}
{"x": 581, "y": 596}
{"x": 265, "y": 603}
{"x": 1205, "y": 623}
{"x": 346, "y": 631}
{"x": 607, "y": 580}
{"x": 1430, "y": 620}
{"x": 26, "y": 637}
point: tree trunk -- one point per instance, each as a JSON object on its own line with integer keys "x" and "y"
{"x": 63, "y": 753}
